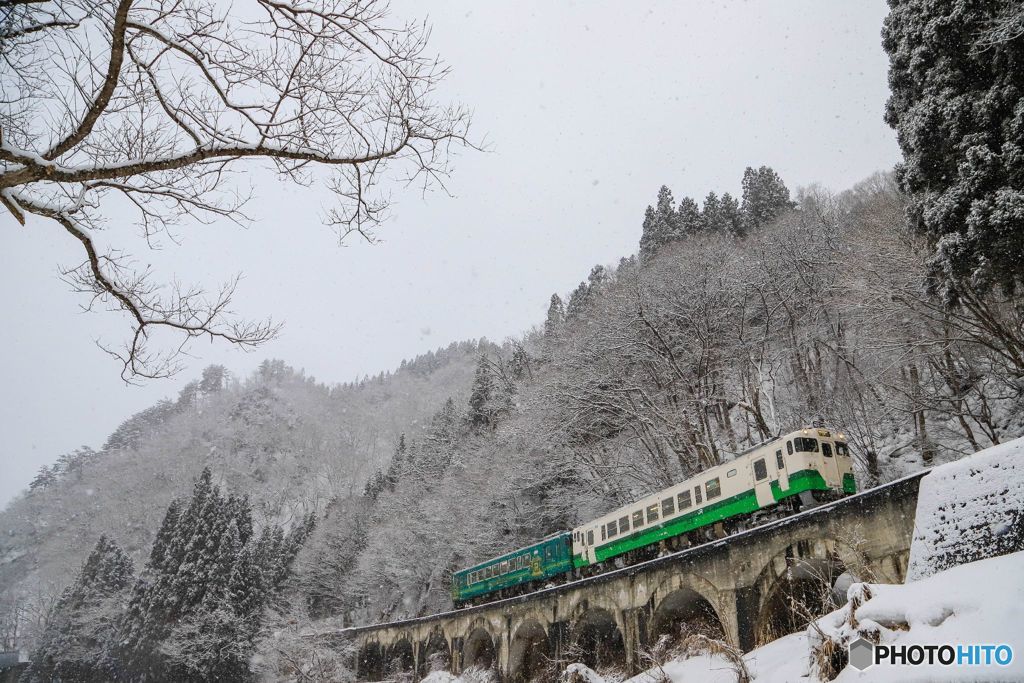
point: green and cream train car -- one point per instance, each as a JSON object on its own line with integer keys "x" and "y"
{"x": 798, "y": 469}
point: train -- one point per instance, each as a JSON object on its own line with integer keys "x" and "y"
{"x": 771, "y": 480}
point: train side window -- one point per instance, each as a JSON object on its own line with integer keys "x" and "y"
{"x": 652, "y": 513}
{"x": 730, "y": 473}
{"x": 604, "y": 532}
{"x": 841, "y": 448}
{"x": 760, "y": 470}
{"x": 623, "y": 524}
{"x": 714, "y": 488}
{"x": 668, "y": 507}
{"x": 697, "y": 495}
{"x": 779, "y": 462}
{"x": 638, "y": 519}
{"x": 684, "y": 500}
{"x": 613, "y": 529}
{"x": 789, "y": 447}
{"x": 504, "y": 567}
{"x": 826, "y": 449}
{"x": 590, "y": 538}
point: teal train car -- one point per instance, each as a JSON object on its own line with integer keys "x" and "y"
{"x": 514, "y": 572}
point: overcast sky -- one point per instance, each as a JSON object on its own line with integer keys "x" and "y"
{"x": 587, "y": 108}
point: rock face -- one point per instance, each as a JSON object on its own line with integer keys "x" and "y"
{"x": 969, "y": 510}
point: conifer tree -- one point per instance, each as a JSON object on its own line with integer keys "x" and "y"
{"x": 661, "y": 224}
{"x": 579, "y": 299}
{"x": 688, "y": 218}
{"x": 731, "y": 215}
{"x": 712, "y": 218}
{"x": 956, "y": 71}
{"x": 79, "y": 636}
{"x": 556, "y": 315}
{"x": 195, "y": 611}
{"x": 480, "y": 410}
{"x": 765, "y": 196}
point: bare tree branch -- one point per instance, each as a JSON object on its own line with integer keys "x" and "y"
{"x": 160, "y": 101}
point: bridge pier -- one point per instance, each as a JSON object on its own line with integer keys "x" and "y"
{"x": 737, "y": 588}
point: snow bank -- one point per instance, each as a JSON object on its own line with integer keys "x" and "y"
{"x": 977, "y": 603}
{"x": 969, "y": 509}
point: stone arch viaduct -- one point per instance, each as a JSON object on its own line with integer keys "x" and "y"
{"x": 744, "y": 587}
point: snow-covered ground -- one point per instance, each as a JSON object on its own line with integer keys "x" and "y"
{"x": 976, "y": 501}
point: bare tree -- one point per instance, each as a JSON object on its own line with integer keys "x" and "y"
{"x": 155, "y": 103}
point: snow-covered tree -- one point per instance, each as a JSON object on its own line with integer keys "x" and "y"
{"x": 661, "y": 224}
{"x": 956, "y": 71}
{"x": 765, "y": 197}
{"x": 80, "y": 637}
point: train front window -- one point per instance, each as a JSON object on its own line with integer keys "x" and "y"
{"x": 638, "y": 519}
{"x": 806, "y": 444}
{"x": 760, "y": 470}
{"x": 826, "y": 449}
{"x": 841, "y": 449}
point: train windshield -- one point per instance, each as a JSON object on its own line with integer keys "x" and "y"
{"x": 807, "y": 445}
{"x": 841, "y": 448}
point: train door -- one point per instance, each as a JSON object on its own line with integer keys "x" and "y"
{"x": 830, "y": 466}
{"x": 783, "y": 473}
{"x": 762, "y": 483}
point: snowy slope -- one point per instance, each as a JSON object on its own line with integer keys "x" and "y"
{"x": 969, "y": 509}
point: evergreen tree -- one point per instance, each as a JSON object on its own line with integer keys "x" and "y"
{"x": 957, "y": 105}
{"x": 765, "y": 196}
{"x": 79, "y": 636}
{"x": 598, "y": 278}
{"x": 712, "y": 218}
{"x": 578, "y": 301}
{"x": 731, "y": 215}
{"x": 661, "y": 224}
{"x": 556, "y": 315}
{"x": 688, "y": 217}
{"x": 481, "y": 412}
{"x": 195, "y": 611}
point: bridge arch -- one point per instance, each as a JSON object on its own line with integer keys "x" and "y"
{"x": 529, "y": 652}
{"x": 597, "y": 639}
{"x": 371, "y": 662}
{"x": 435, "y": 653}
{"x": 478, "y": 650}
{"x": 686, "y": 608}
{"x": 401, "y": 658}
{"x": 796, "y": 584}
